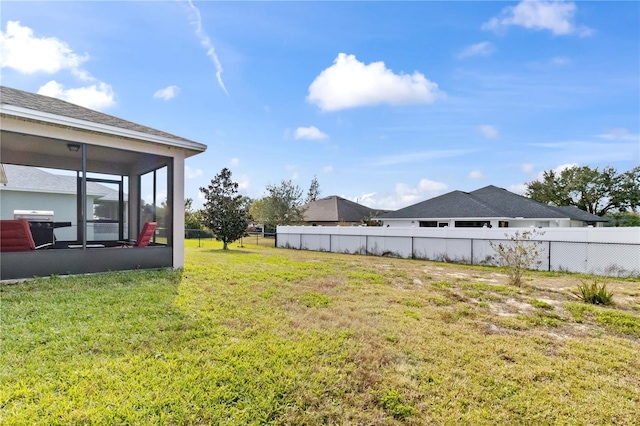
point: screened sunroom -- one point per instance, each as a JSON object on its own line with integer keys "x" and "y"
{"x": 87, "y": 183}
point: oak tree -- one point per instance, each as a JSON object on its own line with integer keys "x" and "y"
{"x": 590, "y": 189}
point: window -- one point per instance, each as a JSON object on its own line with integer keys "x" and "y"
{"x": 472, "y": 223}
{"x": 428, "y": 224}
{"x": 503, "y": 224}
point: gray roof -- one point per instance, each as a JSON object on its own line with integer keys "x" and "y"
{"x": 32, "y": 179}
{"x": 20, "y": 98}
{"x": 337, "y": 209}
{"x": 487, "y": 202}
{"x": 578, "y": 214}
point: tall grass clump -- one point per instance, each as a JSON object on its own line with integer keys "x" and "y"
{"x": 595, "y": 294}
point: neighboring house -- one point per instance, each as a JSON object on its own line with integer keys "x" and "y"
{"x": 30, "y": 188}
{"x": 44, "y": 132}
{"x": 334, "y": 210}
{"x": 489, "y": 206}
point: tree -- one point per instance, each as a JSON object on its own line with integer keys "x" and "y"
{"x": 191, "y": 216}
{"x": 224, "y": 212}
{"x": 282, "y": 205}
{"x": 593, "y": 190}
{"x": 624, "y": 219}
{"x": 314, "y": 191}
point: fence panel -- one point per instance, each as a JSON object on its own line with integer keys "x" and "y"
{"x": 568, "y": 256}
{"x": 315, "y": 242}
{"x": 349, "y": 244}
{"x": 597, "y": 258}
{"x": 429, "y": 248}
{"x": 389, "y": 246}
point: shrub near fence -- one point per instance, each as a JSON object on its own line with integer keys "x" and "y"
{"x": 599, "y": 251}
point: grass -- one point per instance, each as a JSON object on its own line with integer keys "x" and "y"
{"x": 259, "y": 335}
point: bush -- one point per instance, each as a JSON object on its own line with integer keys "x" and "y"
{"x": 595, "y": 294}
{"x": 519, "y": 253}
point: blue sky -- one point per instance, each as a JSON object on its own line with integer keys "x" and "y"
{"x": 387, "y": 103}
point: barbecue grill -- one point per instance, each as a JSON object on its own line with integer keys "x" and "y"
{"x": 41, "y": 224}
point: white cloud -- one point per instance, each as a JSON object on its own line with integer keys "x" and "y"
{"x": 97, "y": 96}
{"x": 518, "y": 188}
{"x": 484, "y": 48}
{"x": 327, "y": 169}
{"x": 488, "y": 131}
{"x": 404, "y": 195}
{"x": 243, "y": 182}
{"x": 349, "y": 83}
{"x": 555, "y": 16}
{"x": 557, "y": 170}
{"x": 527, "y": 167}
{"x": 28, "y": 54}
{"x": 167, "y": 93}
{"x": 477, "y": 174}
{"x": 311, "y": 132}
{"x": 295, "y": 175}
{"x": 191, "y": 173}
{"x": 161, "y": 197}
{"x": 619, "y": 133}
{"x": 196, "y": 21}
{"x": 22, "y": 51}
{"x": 234, "y": 162}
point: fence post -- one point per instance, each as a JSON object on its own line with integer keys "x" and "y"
{"x": 199, "y": 233}
{"x": 549, "y": 255}
{"x": 472, "y": 251}
{"x": 412, "y": 254}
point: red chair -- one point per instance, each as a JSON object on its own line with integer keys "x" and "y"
{"x": 15, "y": 235}
{"x": 144, "y": 237}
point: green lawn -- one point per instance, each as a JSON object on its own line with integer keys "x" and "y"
{"x": 258, "y": 335}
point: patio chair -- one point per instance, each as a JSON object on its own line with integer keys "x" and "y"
{"x": 15, "y": 235}
{"x": 144, "y": 237}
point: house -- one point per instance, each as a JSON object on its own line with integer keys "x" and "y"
{"x": 137, "y": 162}
{"x": 489, "y": 206}
{"x": 334, "y": 210}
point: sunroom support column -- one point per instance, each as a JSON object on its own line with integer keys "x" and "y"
{"x": 176, "y": 188}
{"x": 83, "y": 196}
{"x": 134, "y": 206}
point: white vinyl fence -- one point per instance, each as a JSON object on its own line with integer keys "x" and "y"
{"x": 599, "y": 251}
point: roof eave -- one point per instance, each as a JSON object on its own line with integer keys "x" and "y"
{"x": 26, "y": 113}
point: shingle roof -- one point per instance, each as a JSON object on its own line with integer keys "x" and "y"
{"x": 577, "y": 214}
{"x": 32, "y": 179}
{"x": 20, "y": 98}
{"x": 487, "y": 202}
{"x": 337, "y": 209}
